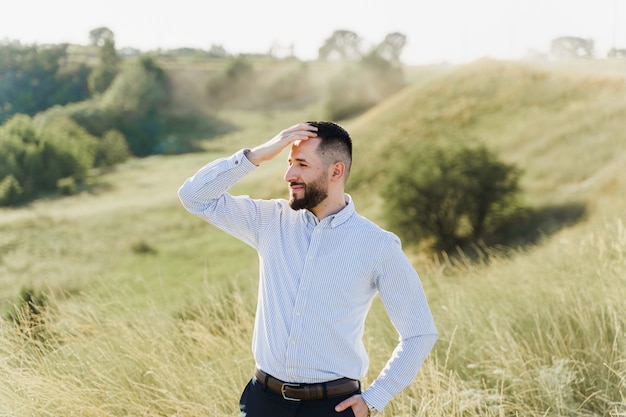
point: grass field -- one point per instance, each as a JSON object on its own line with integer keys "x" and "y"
{"x": 149, "y": 311}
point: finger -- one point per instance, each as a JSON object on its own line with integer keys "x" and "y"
{"x": 303, "y": 128}
{"x": 292, "y": 136}
{"x": 345, "y": 404}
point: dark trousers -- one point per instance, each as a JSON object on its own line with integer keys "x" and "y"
{"x": 258, "y": 401}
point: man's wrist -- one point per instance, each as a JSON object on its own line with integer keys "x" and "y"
{"x": 371, "y": 410}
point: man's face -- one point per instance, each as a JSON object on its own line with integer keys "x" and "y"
{"x": 307, "y": 178}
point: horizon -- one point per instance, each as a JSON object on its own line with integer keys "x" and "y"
{"x": 450, "y": 31}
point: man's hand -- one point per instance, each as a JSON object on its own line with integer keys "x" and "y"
{"x": 267, "y": 151}
{"x": 359, "y": 407}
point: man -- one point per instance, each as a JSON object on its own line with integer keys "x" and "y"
{"x": 321, "y": 265}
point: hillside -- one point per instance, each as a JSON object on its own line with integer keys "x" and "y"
{"x": 563, "y": 127}
{"x": 150, "y": 309}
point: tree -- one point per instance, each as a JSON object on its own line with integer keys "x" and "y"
{"x": 362, "y": 85}
{"x": 616, "y": 53}
{"x": 391, "y": 47}
{"x": 103, "y": 75}
{"x": 217, "y": 51}
{"x": 450, "y": 194}
{"x": 135, "y": 103}
{"x": 342, "y": 44}
{"x": 34, "y": 78}
{"x": 98, "y": 36}
{"x": 571, "y": 47}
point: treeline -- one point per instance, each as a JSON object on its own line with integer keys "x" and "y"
{"x": 34, "y": 78}
{"x": 63, "y": 114}
{"x": 366, "y": 76}
{"x": 61, "y": 119}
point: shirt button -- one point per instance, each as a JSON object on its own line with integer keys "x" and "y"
{"x": 310, "y": 258}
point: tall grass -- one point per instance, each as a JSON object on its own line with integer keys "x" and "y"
{"x": 149, "y": 312}
{"x": 540, "y": 334}
{"x": 107, "y": 360}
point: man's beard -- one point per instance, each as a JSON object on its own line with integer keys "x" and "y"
{"x": 314, "y": 193}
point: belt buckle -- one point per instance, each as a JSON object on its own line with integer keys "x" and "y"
{"x": 282, "y": 391}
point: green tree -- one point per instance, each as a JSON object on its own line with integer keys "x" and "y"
{"x": 103, "y": 75}
{"x": 450, "y": 194}
{"x": 34, "y": 78}
{"x": 136, "y": 103}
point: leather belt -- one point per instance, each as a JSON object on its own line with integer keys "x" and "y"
{"x": 305, "y": 392}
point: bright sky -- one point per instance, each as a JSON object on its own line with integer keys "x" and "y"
{"x": 437, "y": 30}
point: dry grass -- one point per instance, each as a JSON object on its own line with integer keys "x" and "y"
{"x": 150, "y": 312}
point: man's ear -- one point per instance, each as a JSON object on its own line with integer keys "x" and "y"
{"x": 338, "y": 171}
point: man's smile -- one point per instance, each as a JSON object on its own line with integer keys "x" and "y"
{"x": 296, "y": 186}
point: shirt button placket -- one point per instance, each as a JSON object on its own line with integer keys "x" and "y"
{"x": 302, "y": 300}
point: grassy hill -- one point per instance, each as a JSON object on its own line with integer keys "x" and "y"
{"x": 148, "y": 307}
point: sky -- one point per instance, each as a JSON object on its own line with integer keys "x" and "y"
{"x": 453, "y": 31}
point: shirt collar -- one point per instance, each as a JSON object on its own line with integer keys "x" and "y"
{"x": 336, "y": 219}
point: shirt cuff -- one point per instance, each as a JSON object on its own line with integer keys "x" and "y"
{"x": 376, "y": 397}
{"x": 240, "y": 159}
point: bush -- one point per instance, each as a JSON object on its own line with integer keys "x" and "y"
{"x": 66, "y": 186}
{"x": 10, "y": 191}
{"x": 135, "y": 104}
{"x": 112, "y": 149}
{"x": 35, "y": 156}
{"x": 451, "y": 194}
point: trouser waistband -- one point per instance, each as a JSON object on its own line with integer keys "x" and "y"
{"x": 305, "y": 392}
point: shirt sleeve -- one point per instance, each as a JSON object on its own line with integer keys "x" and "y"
{"x": 402, "y": 294}
{"x": 204, "y": 194}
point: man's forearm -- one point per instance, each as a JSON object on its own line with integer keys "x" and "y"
{"x": 401, "y": 369}
{"x": 212, "y": 180}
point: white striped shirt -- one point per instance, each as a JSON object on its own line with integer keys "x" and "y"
{"x": 317, "y": 283}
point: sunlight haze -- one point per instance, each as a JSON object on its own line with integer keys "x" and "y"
{"x": 448, "y": 30}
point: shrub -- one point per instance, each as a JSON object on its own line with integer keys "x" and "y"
{"x": 142, "y": 247}
{"x": 34, "y": 156}
{"x": 451, "y": 194}
{"x": 10, "y": 191}
{"x": 28, "y": 314}
{"x": 112, "y": 149}
{"x": 66, "y": 186}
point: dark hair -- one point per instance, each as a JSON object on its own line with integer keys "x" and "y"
{"x": 336, "y": 144}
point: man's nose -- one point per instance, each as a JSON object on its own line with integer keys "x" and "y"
{"x": 290, "y": 175}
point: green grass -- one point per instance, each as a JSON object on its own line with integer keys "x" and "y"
{"x": 150, "y": 310}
